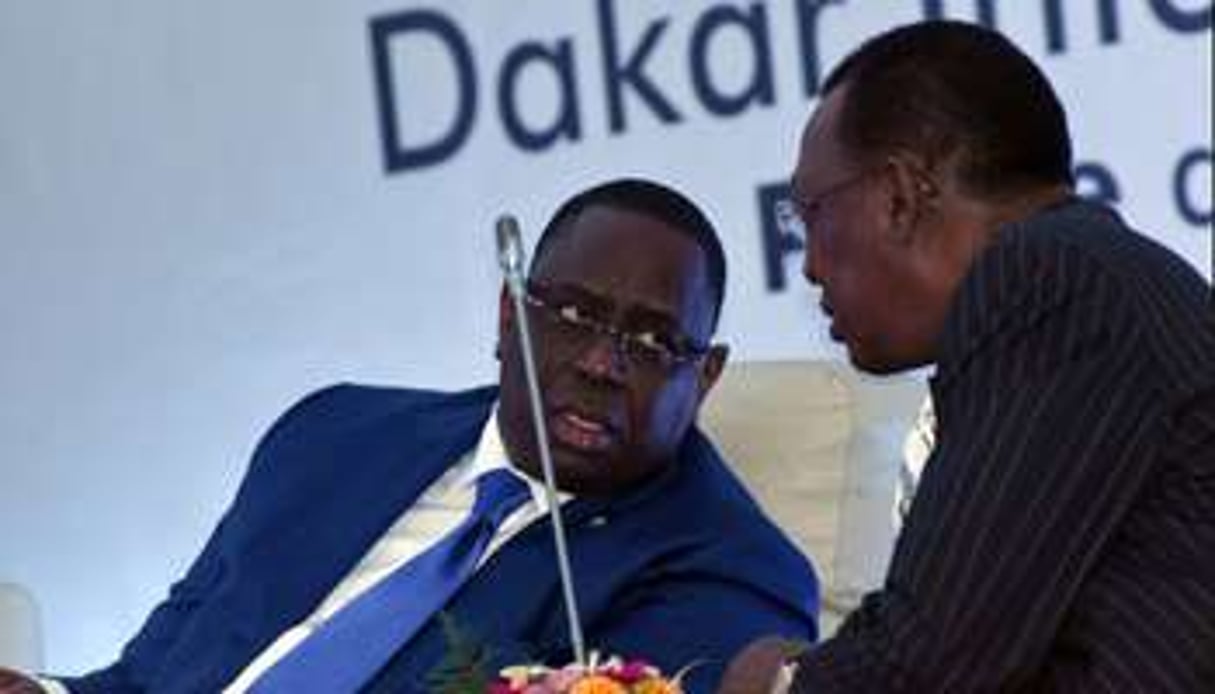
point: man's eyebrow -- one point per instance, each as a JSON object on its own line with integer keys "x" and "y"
{"x": 651, "y": 316}
{"x": 638, "y": 314}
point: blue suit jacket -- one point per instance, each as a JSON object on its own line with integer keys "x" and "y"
{"x": 684, "y": 570}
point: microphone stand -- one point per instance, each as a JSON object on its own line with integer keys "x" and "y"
{"x": 510, "y": 258}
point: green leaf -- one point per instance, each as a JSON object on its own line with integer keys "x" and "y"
{"x": 465, "y": 667}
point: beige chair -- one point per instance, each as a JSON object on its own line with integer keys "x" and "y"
{"x": 20, "y": 629}
{"x": 819, "y": 446}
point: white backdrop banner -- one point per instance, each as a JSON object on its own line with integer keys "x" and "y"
{"x": 210, "y": 208}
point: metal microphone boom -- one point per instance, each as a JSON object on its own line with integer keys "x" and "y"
{"x": 510, "y": 257}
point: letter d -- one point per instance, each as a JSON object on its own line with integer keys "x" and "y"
{"x": 397, "y": 155}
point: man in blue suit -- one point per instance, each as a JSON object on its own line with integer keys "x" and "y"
{"x": 673, "y": 562}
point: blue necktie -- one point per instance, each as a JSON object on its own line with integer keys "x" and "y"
{"x": 349, "y": 648}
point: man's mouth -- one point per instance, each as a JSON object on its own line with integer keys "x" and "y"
{"x": 581, "y": 430}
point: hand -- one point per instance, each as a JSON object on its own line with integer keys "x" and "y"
{"x": 12, "y": 682}
{"x": 754, "y": 670}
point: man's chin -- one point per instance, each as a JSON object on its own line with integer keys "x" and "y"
{"x": 876, "y": 366}
{"x": 596, "y": 475}
{"x": 579, "y": 471}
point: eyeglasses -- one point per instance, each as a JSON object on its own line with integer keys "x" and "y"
{"x": 646, "y": 348}
{"x": 794, "y": 216}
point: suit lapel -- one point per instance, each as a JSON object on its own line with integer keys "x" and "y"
{"x": 350, "y": 491}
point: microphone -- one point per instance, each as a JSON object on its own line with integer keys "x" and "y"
{"x": 510, "y": 258}
{"x": 510, "y": 250}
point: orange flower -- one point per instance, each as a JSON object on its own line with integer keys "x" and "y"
{"x": 598, "y": 684}
{"x": 656, "y": 685}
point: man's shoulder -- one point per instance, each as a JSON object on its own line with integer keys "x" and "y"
{"x": 708, "y": 495}
{"x": 1079, "y": 268}
{"x": 356, "y": 398}
{"x": 1101, "y": 236}
{"x": 1143, "y": 292}
{"x": 1056, "y": 253}
{"x": 326, "y": 422}
{"x": 705, "y": 533}
{"x": 702, "y": 506}
{"x": 703, "y": 474}
{"x": 345, "y": 405}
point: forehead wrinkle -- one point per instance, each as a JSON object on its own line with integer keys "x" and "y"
{"x": 677, "y": 294}
{"x": 576, "y": 288}
{"x": 628, "y": 308}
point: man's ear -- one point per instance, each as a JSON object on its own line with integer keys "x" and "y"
{"x": 506, "y": 319}
{"x": 710, "y": 369}
{"x": 913, "y": 194}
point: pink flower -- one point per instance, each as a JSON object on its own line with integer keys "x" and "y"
{"x": 633, "y": 671}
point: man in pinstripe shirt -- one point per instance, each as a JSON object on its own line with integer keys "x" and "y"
{"x": 1063, "y": 536}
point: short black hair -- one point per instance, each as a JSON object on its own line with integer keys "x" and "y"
{"x": 653, "y": 200}
{"x": 941, "y": 88}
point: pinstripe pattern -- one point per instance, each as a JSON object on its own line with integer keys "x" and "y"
{"x": 1063, "y": 536}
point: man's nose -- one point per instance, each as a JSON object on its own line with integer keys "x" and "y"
{"x": 603, "y": 359}
{"x": 810, "y": 269}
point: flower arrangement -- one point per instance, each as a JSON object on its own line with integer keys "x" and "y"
{"x": 599, "y": 676}
{"x": 466, "y": 669}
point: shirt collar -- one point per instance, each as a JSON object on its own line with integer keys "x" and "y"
{"x": 490, "y": 454}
